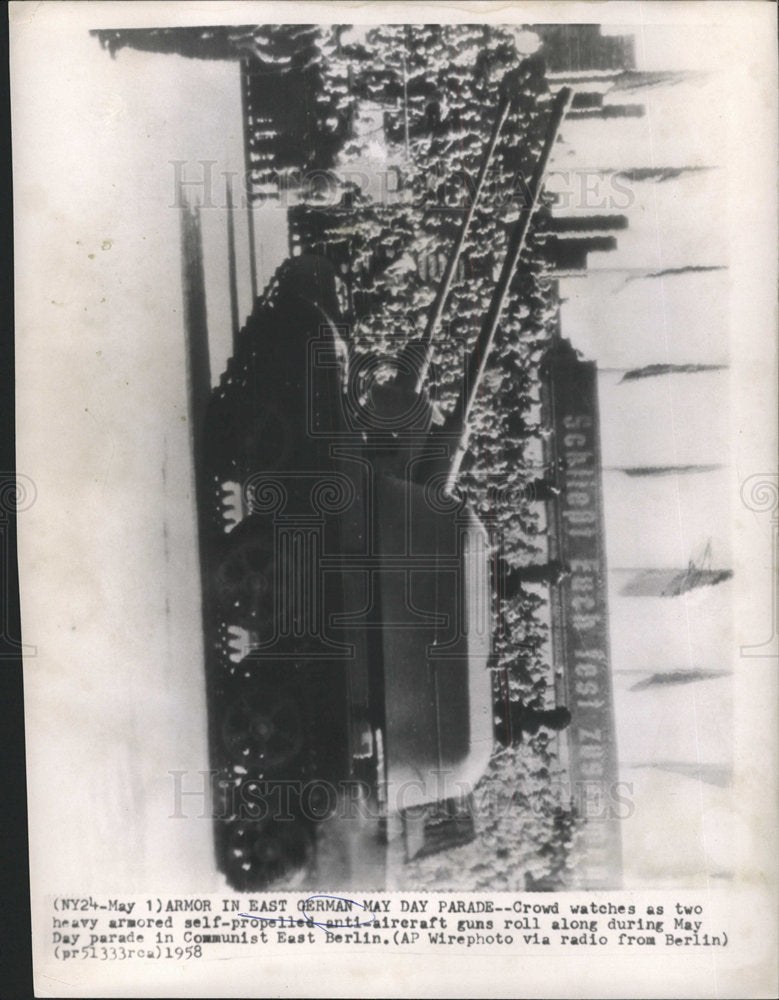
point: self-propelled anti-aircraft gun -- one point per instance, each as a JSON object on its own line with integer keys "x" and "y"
{"x": 347, "y": 588}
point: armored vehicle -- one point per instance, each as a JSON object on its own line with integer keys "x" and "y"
{"x": 346, "y": 586}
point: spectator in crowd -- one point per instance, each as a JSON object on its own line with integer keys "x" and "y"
{"x": 516, "y": 720}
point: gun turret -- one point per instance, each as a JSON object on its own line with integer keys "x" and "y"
{"x": 401, "y": 394}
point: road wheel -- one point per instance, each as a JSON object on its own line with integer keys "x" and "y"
{"x": 244, "y": 580}
{"x": 260, "y": 853}
{"x": 243, "y": 435}
{"x": 262, "y": 727}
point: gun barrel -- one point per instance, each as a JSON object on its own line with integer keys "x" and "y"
{"x": 436, "y": 310}
{"x": 458, "y": 420}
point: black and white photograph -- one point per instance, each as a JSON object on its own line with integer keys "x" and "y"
{"x": 396, "y": 496}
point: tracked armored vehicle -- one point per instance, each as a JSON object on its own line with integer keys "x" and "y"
{"x": 346, "y": 587}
